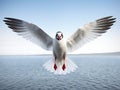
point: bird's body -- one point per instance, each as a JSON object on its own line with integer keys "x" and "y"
{"x": 59, "y": 51}
{"x": 59, "y": 48}
{"x": 60, "y": 64}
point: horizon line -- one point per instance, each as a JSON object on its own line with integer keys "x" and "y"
{"x": 67, "y": 54}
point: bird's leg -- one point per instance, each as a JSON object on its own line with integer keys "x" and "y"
{"x": 55, "y": 66}
{"x": 64, "y": 66}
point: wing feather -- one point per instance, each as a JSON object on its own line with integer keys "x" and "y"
{"x": 89, "y": 32}
{"x": 30, "y": 31}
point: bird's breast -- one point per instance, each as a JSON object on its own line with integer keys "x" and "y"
{"x": 59, "y": 47}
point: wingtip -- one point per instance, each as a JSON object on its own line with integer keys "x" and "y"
{"x": 114, "y": 19}
{"x": 6, "y": 21}
{"x": 6, "y": 18}
{"x": 111, "y": 17}
{"x": 108, "y": 18}
{"x": 11, "y": 19}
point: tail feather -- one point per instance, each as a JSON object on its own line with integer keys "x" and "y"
{"x": 70, "y": 67}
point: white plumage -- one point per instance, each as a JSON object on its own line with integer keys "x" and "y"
{"x": 60, "y": 64}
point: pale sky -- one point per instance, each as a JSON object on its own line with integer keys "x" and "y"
{"x": 59, "y": 15}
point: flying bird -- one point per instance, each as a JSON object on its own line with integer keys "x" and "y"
{"x": 60, "y": 64}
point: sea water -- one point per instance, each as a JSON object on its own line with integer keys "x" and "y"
{"x": 28, "y": 73}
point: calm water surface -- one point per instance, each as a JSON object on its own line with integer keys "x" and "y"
{"x": 27, "y": 73}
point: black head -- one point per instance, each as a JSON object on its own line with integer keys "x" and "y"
{"x": 59, "y": 35}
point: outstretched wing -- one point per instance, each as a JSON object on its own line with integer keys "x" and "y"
{"x": 89, "y": 32}
{"x": 30, "y": 32}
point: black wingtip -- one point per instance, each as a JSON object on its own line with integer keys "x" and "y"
{"x": 7, "y": 18}
{"x": 114, "y": 19}
{"x": 4, "y": 19}
{"x": 109, "y": 18}
{"x": 11, "y": 19}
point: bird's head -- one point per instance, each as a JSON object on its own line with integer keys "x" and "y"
{"x": 59, "y": 35}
